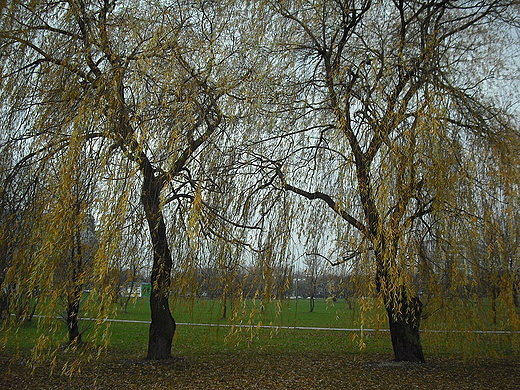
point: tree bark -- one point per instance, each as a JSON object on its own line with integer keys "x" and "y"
{"x": 162, "y": 327}
{"x": 404, "y": 316}
{"x": 404, "y": 312}
{"x": 72, "y": 316}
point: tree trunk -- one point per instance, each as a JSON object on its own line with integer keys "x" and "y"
{"x": 224, "y": 309}
{"x": 516, "y": 288}
{"x": 404, "y": 313}
{"x": 494, "y": 295}
{"x": 33, "y": 310}
{"x": 404, "y": 318}
{"x": 162, "y": 327}
{"x": 4, "y": 306}
{"x": 72, "y": 316}
{"x": 126, "y": 300}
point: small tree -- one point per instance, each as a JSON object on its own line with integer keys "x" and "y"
{"x": 315, "y": 269}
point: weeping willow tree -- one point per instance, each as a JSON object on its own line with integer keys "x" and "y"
{"x": 147, "y": 88}
{"x": 384, "y": 114}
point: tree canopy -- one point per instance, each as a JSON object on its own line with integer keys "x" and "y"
{"x": 395, "y": 127}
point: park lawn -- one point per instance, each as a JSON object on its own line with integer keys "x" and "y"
{"x": 340, "y": 315}
{"x": 248, "y": 328}
{"x": 284, "y": 313}
{"x": 355, "y": 313}
{"x": 213, "y": 357}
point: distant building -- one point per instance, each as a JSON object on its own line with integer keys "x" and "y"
{"x": 138, "y": 290}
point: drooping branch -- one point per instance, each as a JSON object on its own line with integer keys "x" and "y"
{"x": 324, "y": 197}
{"x": 46, "y": 57}
{"x": 342, "y": 260}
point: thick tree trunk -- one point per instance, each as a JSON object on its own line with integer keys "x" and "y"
{"x": 162, "y": 327}
{"x": 404, "y": 313}
{"x": 404, "y": 317}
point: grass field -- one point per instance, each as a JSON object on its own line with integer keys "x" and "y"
{"x": 255, "y": 357}
{"x": 244, "y": 328}
{"x": 438, "y": 331}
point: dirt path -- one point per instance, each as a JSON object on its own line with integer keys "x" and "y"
{"x": 260, "y": 370}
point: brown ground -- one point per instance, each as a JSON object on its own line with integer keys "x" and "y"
{"x": 262, "y": 370}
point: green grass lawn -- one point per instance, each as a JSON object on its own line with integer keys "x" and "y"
{"x": 215, "y": 357}
{"x": 242, "y": 328}
{"x": 340, "y": 314}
